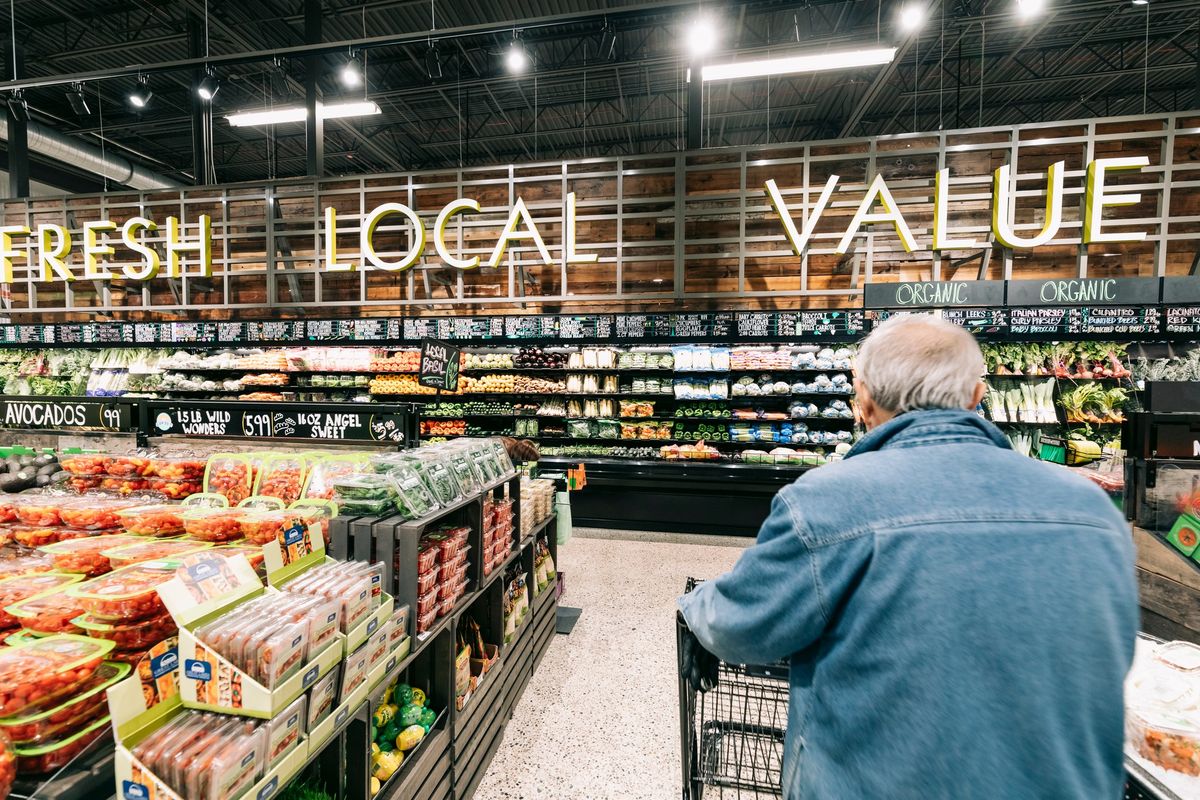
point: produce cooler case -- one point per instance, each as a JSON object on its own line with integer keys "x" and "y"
{"x": 675, "y": 496}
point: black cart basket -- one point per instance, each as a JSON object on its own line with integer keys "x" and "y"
{"x": 732, "y": 735}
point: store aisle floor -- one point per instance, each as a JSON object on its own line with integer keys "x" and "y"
{"x": 600, "y": 720}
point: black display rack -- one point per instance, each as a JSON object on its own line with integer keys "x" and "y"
{"x": 455, "y": 756}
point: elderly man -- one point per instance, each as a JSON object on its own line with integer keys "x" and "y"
{"x": 959, "y": 618}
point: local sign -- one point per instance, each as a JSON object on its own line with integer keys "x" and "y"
{"x": 49, "y": 249}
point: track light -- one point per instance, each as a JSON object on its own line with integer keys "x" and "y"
{"x": 78, "y": 101}
{"x": 912, "y": 17}
{"x": 1141, "y": 2}
{"x": 608, "y": 41}
{"x": 433, "y": 62}
{"x": 351, "y": 73}
{"x": 700, "y": 37}
{"x": 208, "y": 86}
{"x": 516, "y": 60}
{"x": 18, "y": 109}
{"x": 1028, "y": 9}
{"x": 140, "y": 96}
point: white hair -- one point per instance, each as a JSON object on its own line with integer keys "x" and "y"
{"x": 917, "y": 361}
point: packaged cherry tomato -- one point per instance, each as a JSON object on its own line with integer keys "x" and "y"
{"x": 8, "y": 765}
{"x": 85, "y": 464}
{"x": 48, "y": 613}
{"x": 322, "y": 474}
{"x": 134, "y": 466}
{"x": 123, "y": 486}
{"x": 214, "y": 524}
{"x": 94, "y": 513}
{"x": 54, "y": 755}
{"x": 260, "y": 527}
{"x": 125, "y": 554}
{"x": 21, "y": 587}
{"x": 82, "y": 483}
{"x": 39, "y": 509}
{"x": 230, "y": 475}
{"x": 86, "y": 555}
{"x": 127, "y": 593}
{"x": 41, "y": 671}
{"x": 56, "y": 719}
{"x": 7, "y": 510}
{"x": 282, "y": 475}
{"x": 152, "y": 520}
{"x": 39, "y": 535}
{"x": 138, "y": 634}
{"x": 175, "y": 489}
{"x": 179, "y": 468}
{"x": 24, "y": 563}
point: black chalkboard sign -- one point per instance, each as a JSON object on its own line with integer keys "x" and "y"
{"x": 439, "y": 365}
{"x": 65, "y": 413}
{"x": 255, "y": 420}
{"x": 933, "y": 294}
{"x": 1070, "y": 292}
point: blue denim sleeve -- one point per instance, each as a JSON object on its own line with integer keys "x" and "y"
{"x": 770, "y": 605}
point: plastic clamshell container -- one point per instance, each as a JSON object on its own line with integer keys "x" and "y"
{"x": 214, "y": 524}
{"x": 127, "y": 593}
{"x": 173, "y": 489}
{"x": 438, "y": 475}
{"x": 427, "y": 581}
{"x": 41, "y": 535}
{"x": 160, "y": 519}
{"x": 427, "y": 601}
{"x": 85, "y": 463}
{"x": 427, "y": 557}
{"x": 47, "y": 613}
{"x": 364, "y": 487}
{"x": 38, "y": 672}
{"x": 25, "y": 565}
{"x": 454, "y": 589}
{"x": 85, "y": 555}
{"x": 43, "y": 510}
{"x": 425, "y": 621}
{"x": 282, "y": 475}
{"x": 235, "y": 766}
{"x": 22, "y": 587}
{"x": 44, "y": 721}
{"x": 138, "y": 634}
{"x": 230, "y": 475}
{"x": 321, "y": 699}
{"x": 1165, "y": 737}
{"x": 134, "y": 466}
{"x": 178, "y": 468}
{"x": 125, "y": 555}
{"x": 262, "y": 526}
{"x": 372, "y": 508}
{"x": 324, "y": 472}
{"x": 54, "y": 755}
{"x": 414, "y": 500}
{"x": 93, "y": 513}
{"x": 1179, "y": 656}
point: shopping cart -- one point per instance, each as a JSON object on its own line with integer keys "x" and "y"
{"x": 732, "y": 735}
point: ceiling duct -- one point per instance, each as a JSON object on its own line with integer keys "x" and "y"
{"x": 52, "y": 144}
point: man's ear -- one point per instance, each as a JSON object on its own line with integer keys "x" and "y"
{"x": 977, "y": 398}
{"x": 864, "y": 403}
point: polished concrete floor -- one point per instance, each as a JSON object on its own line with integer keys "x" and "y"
{"x": 599, "y": 720}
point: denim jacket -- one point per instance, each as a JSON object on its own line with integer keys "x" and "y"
{"x": 959, "y": 620}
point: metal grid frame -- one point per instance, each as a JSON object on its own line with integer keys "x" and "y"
{"x": 293, "y": 249}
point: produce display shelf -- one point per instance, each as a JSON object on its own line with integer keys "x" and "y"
{"x": 426, "y": 415}
{"x": 1002, "y": 375}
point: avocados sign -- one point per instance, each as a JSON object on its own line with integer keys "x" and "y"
{"x": 52, "y": 254}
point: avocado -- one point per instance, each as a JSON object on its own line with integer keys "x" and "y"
{"x": 25, "y": 460}
{"x": 47, "y": 469}
{"x": 60, "y": 477}
{"x": 45, "y": 459}
{"x": 27, "y": 474}
{"x": 41, "y": 481}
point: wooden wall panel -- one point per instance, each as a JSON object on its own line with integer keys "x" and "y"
{"x": 683, "y": 230}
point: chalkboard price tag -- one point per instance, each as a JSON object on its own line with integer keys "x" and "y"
{"x": 65, "y": 414}
{"x": 439, "y": 365}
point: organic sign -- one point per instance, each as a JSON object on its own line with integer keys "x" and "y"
{"x": 272, "y": 421}
{"x": 65, "y": 414}
{"x": 933, "y": 294}
{"x": 439, "y": 365}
